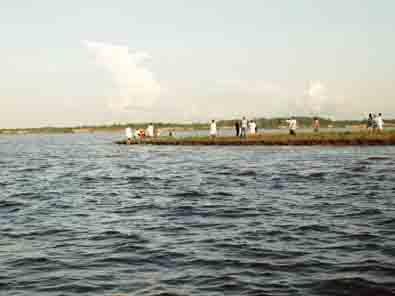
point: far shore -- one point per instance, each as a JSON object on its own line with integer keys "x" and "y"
{"x": 277, "y": 123}
{"x": 87, "y": 130}
{"x": 307, "y": 139}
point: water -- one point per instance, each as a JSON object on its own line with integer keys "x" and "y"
{"x": 82, "y": 216}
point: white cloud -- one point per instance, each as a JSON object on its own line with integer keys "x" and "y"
{"x": 134, "y": 84}
{"x": 200, "y": 98}
{"x": 315, "y": 97}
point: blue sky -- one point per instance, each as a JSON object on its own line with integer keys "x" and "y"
{"x": 79, "y": 62}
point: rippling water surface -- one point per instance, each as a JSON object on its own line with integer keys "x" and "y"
{"x": 82, "y": 216}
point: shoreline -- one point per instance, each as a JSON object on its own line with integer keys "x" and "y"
{"x": 273, "y": 123}
{"x": 271, "y": 139}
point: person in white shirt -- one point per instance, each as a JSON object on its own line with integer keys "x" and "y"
{"x": 213, "y": 129}
{"x": 244, "y": 126}
{"x": 136, "y": 134}
{"x": 129, "y": 134}
{"x": 252, "y": 126}
{"x": 374, "y": 128}
{"x": 292, "y": 124}
{"x": 156, "y": 133}
{"x": 150, "y": 130}
{"x": 380, "y": 123}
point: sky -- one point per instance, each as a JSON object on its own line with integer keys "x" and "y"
{"x": 70, "y": 63}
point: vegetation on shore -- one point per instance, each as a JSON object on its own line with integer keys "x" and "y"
{"x": 327, "y": 138}
{"x": 265, "y": 123}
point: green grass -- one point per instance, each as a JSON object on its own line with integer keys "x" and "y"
{"x": 326, "y": 138}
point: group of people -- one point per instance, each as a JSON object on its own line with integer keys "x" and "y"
{"x": 140, "y": 134}
{"x": 245, "y": 127}
{"x": 293, "y": 125}
{"x": 149, "y": 132}
{"x": 375, "y": 123}
{"x": 242, "y": 128}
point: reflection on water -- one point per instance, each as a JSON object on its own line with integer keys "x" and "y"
{"x": 81, "y": 216}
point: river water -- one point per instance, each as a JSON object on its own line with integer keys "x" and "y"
{"x": 82, "y": 216}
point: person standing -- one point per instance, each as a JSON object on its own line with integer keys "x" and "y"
{"x": 156, "y": 132}
{"x": 150, "y": 131}
{"x": 136, "y": 134}
{"x": 252, "y": 127}
{"x": 292, "y": 126}
{"x": 141, "y": 134}
{"x": 237, "y": 127}
{"x": 380, "y": 123}
{"x": 213, "y": 129}
{"x": 374, "y": 127}
{"x": 129, "y": 134}
{"x": 244, "y": 126}
{"x": 316, "y": 124}
{"x": 369, "y": 124}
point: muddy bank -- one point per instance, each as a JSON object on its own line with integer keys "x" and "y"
{"x": 306, "y": 139}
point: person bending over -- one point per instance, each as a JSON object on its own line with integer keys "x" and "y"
{"x": 292, "y": 126}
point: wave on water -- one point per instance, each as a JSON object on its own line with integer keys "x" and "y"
{"x": 79, "y": 216}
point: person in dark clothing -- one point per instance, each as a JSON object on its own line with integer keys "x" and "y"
{"x": 237, "y": 127}
{"x": 370, "y": 123}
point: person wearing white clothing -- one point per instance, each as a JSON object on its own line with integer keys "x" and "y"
{"x": 213, "y": 129}
{"x": 380, "y": 123}
{"x": 244, "y": 126}
{"x": 129, "y": 134}
{"x": 252, "y": 126}
{"x": 375, "y": 122}
{"x": 150, "y": 130}
{"x": 292, "y": 124}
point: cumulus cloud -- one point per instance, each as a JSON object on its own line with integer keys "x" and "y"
{"x": 318, "y": 99}
{"x": 134, "y": 84}
{"x": 315, "y": 97}
{"x": 137, "y": 92}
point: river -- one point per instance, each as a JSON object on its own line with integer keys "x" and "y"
{"x": 80, "y": 215}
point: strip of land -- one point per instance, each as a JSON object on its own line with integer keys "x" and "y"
{"x": 262, "y": 123}
{"x": 306, "y": 139}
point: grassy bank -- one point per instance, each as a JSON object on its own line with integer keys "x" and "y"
{"x": 328, "y": 138}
